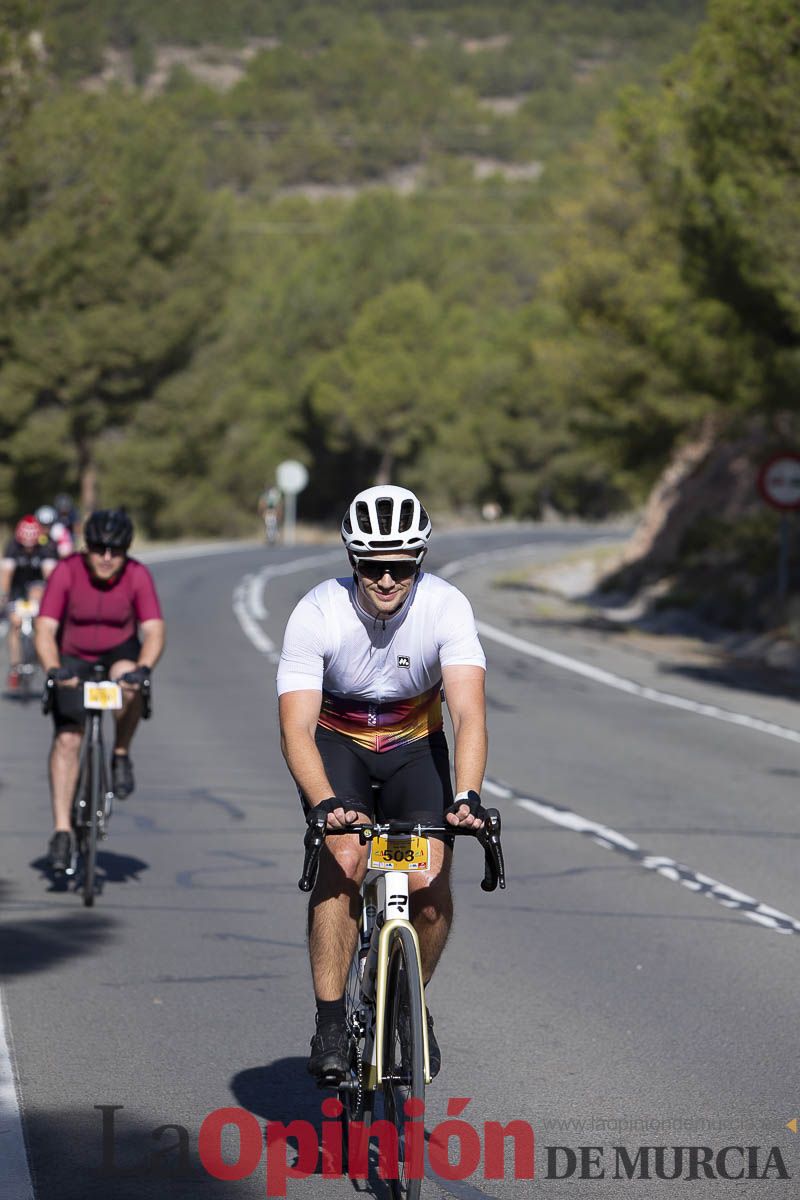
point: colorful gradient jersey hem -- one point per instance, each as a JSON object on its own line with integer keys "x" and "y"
{"x": 387, "y": 726}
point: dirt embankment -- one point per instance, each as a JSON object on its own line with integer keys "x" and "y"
{"x": 702, "y": 563}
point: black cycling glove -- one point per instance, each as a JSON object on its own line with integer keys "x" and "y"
{"x": 333, "y": 802}
{"x": 473, "y": 803}
{"x": 139, "y": 675}
{"x": 57, "y": 674}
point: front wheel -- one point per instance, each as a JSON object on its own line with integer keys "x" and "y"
{"x": 96, "y": 801}
{"x": 404, "y": 1062}
{"x": 27, "y": 665}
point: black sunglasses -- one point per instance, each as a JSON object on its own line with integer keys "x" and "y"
{"x": 375, "y": 569}
{"x": 98, "y": 548}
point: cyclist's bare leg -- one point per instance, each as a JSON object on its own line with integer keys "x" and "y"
{"x": 432, "y": 906}
{"x": 333, "y": 913}
{"x": 12, "y": 639}
{"x": 131, "y": 711}
{"x": 65, "y": 755}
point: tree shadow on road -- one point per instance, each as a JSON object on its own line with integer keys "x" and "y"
{"x": 36, "y": 945}
{"x": 72, "y": 1160}
{"x": 739, "y": 677}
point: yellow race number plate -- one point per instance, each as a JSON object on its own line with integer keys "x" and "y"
{"x": 399, "y": 854}
{"x": 102, "y": 695}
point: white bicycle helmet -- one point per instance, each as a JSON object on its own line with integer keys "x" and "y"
{"x": 386, "y": 517}
{"x": 46, "y": 514}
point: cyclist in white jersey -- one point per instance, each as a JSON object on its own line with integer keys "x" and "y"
{"x": 363, "y": 665}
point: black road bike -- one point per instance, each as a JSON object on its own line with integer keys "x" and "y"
{"x": 93, "y": 801}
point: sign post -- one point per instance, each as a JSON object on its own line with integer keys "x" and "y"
{"x": 779, "y": 484}
{"x": 291, "y": 477}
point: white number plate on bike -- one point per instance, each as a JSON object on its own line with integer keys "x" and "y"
{"x": 102, "y": 695}
{"x": 398, "y": 854}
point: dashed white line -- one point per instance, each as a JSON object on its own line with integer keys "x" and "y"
{"x": 669, "y": 868}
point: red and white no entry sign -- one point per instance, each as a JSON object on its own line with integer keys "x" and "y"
{"x": 779, "y": 481}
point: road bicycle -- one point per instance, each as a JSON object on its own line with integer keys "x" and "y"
{"x": 385, "y": 992}
{"x": 27, "y": 610}
{"x": 93, "y": 801}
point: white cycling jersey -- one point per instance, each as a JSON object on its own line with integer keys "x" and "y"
{"x": 380, "y": 679}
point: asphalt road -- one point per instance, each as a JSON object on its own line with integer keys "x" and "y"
{"x": 611, "y": 997}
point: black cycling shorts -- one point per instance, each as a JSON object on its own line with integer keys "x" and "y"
{"x": 68, "y": 710}
{"x": 415, "y": 778}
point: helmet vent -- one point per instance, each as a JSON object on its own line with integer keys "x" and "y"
{"x": 406, "y": 515}
{"x": 347, "y": 524}
{"x": 362, "y": 516}
{"x": 384, "y": 509}
{"x": 424, "y": 519}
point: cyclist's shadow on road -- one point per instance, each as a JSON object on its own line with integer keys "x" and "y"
{"x": 111, "y": 868}
{"x": 284, "y": 1091}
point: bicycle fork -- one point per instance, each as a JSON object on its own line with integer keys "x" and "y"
{"x": 386, "y": 907}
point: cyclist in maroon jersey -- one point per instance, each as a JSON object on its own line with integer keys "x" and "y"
{"x": 99, "y": 607}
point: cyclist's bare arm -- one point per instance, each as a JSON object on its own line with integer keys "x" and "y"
{"x": 465, "y": 691}
{"x": 46, "y": 645}
{"x": 299, "y": 712}
{"x": 153, "y": 638}
{"x": 7, "y": 569}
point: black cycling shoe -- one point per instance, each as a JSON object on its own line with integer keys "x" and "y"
{"x": 60, "y": 851}
{"x": 434, "y": 1053}
{"x": 122, "y": 782}
{"x": 329, "y": 1053}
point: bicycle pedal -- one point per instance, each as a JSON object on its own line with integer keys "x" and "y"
{"x": 332, "y": 1080}
{"x": 72, "y": 868}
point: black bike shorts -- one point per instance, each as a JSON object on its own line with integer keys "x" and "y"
{"x": 415, "y": 778}
{"x": 68, "y": 710}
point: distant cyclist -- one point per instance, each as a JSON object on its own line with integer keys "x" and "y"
{"x": 29, "y": 557}
{"x": 55, "y": 530}
{"x": 67, "y": 513}
{"x": 270, "y": 509}
{"x": 99, "y": 606}
{"x": 360, "y": 683}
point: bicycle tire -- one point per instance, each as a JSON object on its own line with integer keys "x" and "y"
{"x": 403, "y": 1052}
{"x": 27, "y": 659}
{"x": 95, "y": 801}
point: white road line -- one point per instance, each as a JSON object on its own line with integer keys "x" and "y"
{"x": 749, "y": 906}
{"x": 247, "y": 621}
{"x": 609, "y": 679}
{"x": 484, "y": 556}
{"x": 248, "y": 597}
{"x": 16, "y": 1175}
{"x": 208, "y": 550}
